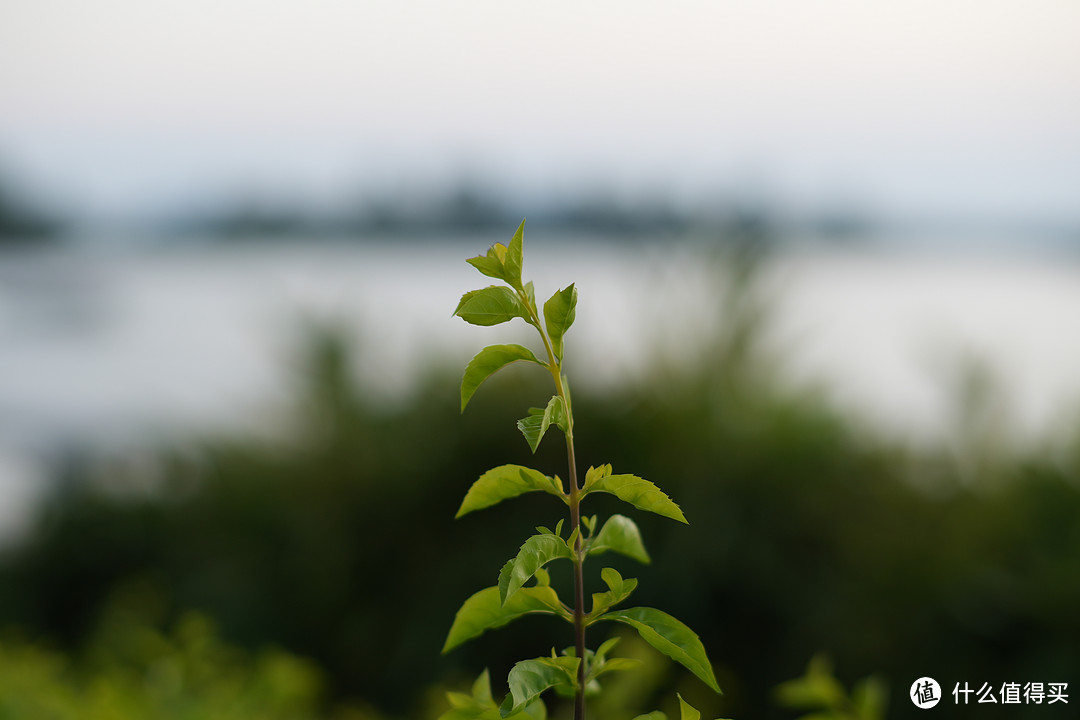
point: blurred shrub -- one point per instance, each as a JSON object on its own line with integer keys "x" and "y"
{"x": 137, "y": 672}
{"x": 817, "y": 690}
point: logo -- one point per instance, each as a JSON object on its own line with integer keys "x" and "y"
{"x": 925, "y": 693}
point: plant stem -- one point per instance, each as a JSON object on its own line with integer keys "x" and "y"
{"x": 575, "y": 515}
{"x": 579, "y": 583}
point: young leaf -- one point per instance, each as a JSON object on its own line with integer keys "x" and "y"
{"x": 598, "y": 663}
{"x": 618, "y": 590}
{"x": 504, "y": 482}
{"x": 571, "y": 542}
{"x": 654, "y": 715}
{"x": 481, "y": 706}
{"x": 487, "y": 362}
{"x": 620, "y": 534}
{"x": 618, "y": 664}
{"x": 537, "y": 423}
{"x": 491, "y": 306}
{"x": 639, "y": 492}
{"x": 606, "y": 646}
{"x": 502, "y": 262}
{"x": 594, "y": 475}
{"x": 513, "y": 260}
{"x": 670, "y": 637}
{"x": 492, "y": 263}
{"x": 687, "y": 711}
{"x": 529, "y": 678}
{"x": 535, "y": 552}
{"x": 559, "y": 313}
{"x": 530, "y": 292}
{"x": 481, "y": 689}
{"x": 485, "y": 611}
{"x": 505, "y": 572}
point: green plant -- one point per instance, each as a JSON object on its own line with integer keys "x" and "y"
{"x": 821, "y": 693}
{"x": 576, "y": 672}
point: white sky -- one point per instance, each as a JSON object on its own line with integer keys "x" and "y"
{"x": 921, "y": 106}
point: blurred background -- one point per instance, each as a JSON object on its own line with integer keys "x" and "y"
{"x": 828, "y": 256}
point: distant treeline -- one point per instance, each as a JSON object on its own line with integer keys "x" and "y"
{"x": 470, "y": 207}
{"x": 467, "y": 208}
{"x": 22, "y": 220}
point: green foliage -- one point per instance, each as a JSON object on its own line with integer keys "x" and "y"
{"x": 137, "y": 672}
{"x": 820, "y": 692}
{"x": 529, "y": 678}
{"x": 559, "y": 313}
{"x": 620, "y": 534}
{"x": 488, "y": 361}
{"x": 618, "y": 590}
{"x": 687, "y": 711}
{"x": 492, "y": 305}
{"x": 504, "y": 482}
{"x": 486, "y": 610}
{"x": 670, "y": 637}
{"x": 535, "y": 553}
{"x": 639, "y": 492}
{"x": 536, "y": 424}
{"x": 479, "y": 705}
{"x": 576, "y": 673}
{"x": 503, "y": 262}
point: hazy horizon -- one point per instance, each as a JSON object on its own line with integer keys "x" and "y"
{"x": 127, "y": 110}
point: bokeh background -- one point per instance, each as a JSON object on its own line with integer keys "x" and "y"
{"x": 829, "y": 263}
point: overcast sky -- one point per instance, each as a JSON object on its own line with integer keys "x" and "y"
{"x": 912, "y": 108}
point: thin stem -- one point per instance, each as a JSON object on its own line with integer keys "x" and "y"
{"x": 575, "y": 515}
{"x": 579, "y": 581}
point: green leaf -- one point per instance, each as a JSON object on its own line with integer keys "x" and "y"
{"x": 594, "y": 475}
{"x": 502, "y": 262}
{"x": 670, "y": 637}
{"x": 686, "y": 710}
{"x": 515, "y": 256}
{"x": 539, "y": 420}
{"x": 492, "y": 263}
{"x": 618, "y": 664}
{"x": 490, "y": 306}
{"x": 654, "y": 715}
{"x": 535, "y": 552}
{"x": 485, "y": 611}
{"x": 505, "y": 573}
{"x": 529, "y": 678}
{"x": 606, "y": 646}
{"x": 575, "y": 536}
{"x": 504, "y": 482}
{"x": 481, "y": 689}
{"x": 487, "y": 362}
{"x": 620, "y": 534}
{"x": 481, "y": 706}
{"x": 618, "y": 590}
{"x": 816, "y": 689}
{"x": 559, "y": 313}
{"x": 639, "y": 492}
